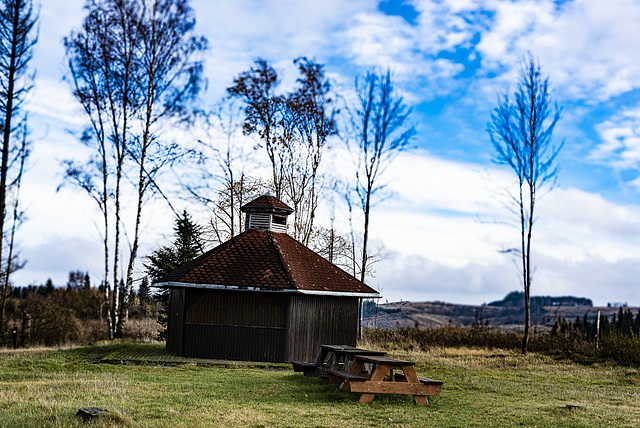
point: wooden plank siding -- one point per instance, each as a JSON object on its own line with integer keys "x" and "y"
{"x": 235, "y": 308}
{"x": 175, "y": 322}
{"x": 235, "y": 325}
{"x": 258, "y": 326}
{"x": 314, "y": 320}
{"x": 234, "y": 343}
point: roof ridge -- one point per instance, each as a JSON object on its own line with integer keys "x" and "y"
{"x": 285, "y": 266}
{"x": 278, "y": 237}
{"x": 324, "y": 260}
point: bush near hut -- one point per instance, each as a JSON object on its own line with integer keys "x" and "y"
{"x": 54, "y": 316}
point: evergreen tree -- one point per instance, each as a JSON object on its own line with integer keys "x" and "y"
{"x": 49, "y": 286}
{"x": 144, "y": 291}
{"x": 186, "y": 247}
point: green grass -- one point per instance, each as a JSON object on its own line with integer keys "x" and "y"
{"x": 43, "y": 388}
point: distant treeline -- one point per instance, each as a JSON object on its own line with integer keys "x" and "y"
{"x": 516, "y": 299}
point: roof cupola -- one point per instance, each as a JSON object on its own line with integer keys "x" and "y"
{"x": 266, "y": 213}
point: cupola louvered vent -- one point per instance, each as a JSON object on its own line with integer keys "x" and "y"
{"x": 261, "y": 221}
{"x": 266, "y": 213}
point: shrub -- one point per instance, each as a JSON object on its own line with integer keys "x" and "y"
{"x": 142, "y": 330}
{"x": 53, "y": 325}
{"x": 620, "y": 347}
{"x": 476, "y": 337}
{"x": 92, "y": 331}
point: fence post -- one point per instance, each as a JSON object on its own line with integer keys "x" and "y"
{"x": 14, "y": 332}
{"x": 597, "y": 328}
{"x": 26, "y": 330}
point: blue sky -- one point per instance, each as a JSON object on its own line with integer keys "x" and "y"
{"x": 442, "y": 231}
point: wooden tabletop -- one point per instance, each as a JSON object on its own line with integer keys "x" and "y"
{"x": 350, "y": 350}
{"x": 376, "y": 359}
{"x": 337, "y": 347}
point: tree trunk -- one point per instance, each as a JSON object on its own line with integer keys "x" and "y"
{"x": 136, "y": 239}
{"x": 6, "y": 141}
{"x": 525, "y": 268}
{"x": 365, "y": 237}
{"x": 527, "y": 315}
{"x": 146, "y": 141}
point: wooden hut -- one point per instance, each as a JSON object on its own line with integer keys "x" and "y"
{"x": 261, "y": 296}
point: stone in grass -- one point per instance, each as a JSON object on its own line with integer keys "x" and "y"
{"x": 574, "y": 406}
{"x": 88, "y": 413}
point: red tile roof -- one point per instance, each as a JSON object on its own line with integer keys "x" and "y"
{"x": 268, "y": 261}
{"x": 267, "y": 201}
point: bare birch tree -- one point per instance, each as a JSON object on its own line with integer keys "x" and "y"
{"x": 17, "y": 39}
{"x": 521, "y": 132}
{"x": 381, "y": 128}
{"x": 102, "y": 63}
{"x": 133, "y": 70}
{"x": 169, "y": 81}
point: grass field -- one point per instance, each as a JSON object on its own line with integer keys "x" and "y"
{"x": 40, "y": 388}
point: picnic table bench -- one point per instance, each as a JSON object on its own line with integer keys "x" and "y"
{"x": 334, "y": 357}
{"x": 383, "y": 380}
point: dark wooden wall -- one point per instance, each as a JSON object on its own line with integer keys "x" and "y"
{"x": 258, "y": 326}
{"x": 234, "y": 343}
{"x": 235, "y": 325}
{"x": 175, "y": 321}
{"x": 314, "y": 320}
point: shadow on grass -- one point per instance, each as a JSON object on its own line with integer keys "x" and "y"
{"x": 320, "y": 391}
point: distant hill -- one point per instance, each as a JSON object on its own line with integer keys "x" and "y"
{"x": 508, "y": 312}
{"x": 516, "y": 299}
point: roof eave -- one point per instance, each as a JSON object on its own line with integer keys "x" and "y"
{"x": 258, "y": 289}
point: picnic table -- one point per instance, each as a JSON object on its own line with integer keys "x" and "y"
{"x": 388, "y": 376}
{"x": 338, "y": 357}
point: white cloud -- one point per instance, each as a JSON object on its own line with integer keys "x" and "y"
{"x": 442, "y": 25}
{"x": 575, "y": 226}
{"x": 429, "y": 182}
{"x": 588, "y": 47}
{"x": 279, "y": 31}
{"x": 56, "y": 257}
{"x": 599, "y": 279}
{"x": 417, "y": 278}
{"x": 437, "y": 244}
{"x": 620, "y": 135}
{"x": 382, "y": 41}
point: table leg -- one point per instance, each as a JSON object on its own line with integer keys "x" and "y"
{"x": 378, "y": 374}
{"x": 322, "y": 354}
{"x": 412, "y": 376}
{"x": 331, "y": 361}
{"x": 355, "y": 367}
{"x": 347, "y": 363}
{"x": 366, "y": 398}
